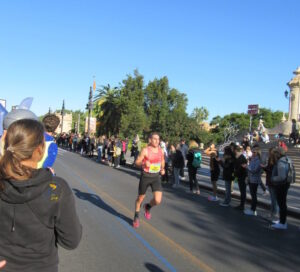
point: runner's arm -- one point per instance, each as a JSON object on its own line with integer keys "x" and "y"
{"x": 162, "y": 169}
{"x": 141, "y": 157}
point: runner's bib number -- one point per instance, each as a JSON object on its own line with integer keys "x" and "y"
{"x": 154, "y": 168}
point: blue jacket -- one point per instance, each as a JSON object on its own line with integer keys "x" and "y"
{"x": 50, "y": 152}
{"x": 254, "y": 170}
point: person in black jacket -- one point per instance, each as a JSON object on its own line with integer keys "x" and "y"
{"x": 214, "y": 170}
{"x": 37, "y": 209}
{"x": 194, "y": 186}
{"x": 240, "y": 172}
{"x": 228, "y": 174}
{"x": 178, "y": 163}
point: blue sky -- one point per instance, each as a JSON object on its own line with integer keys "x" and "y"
{"x": 224, "y": 54}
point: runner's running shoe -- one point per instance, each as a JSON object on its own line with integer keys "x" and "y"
{"x": 147, "y": 213}
{"x": 136, "y": 223}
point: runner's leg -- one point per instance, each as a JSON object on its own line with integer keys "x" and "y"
{"x": 156, "y": 200}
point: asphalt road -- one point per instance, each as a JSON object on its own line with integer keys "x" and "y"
{"x": 186, "y": 233}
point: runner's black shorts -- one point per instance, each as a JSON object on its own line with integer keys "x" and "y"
{"x": 149, "y": 179}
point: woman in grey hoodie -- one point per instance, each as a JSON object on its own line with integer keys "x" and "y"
{"x": 254, "y": 174}
{"x": 37, "y": 210}
{"x": 281, "y": 186}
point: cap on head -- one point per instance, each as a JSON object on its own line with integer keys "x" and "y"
{"x": 16, "y": 115}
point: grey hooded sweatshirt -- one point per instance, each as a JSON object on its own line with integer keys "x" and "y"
{"x": 280, "y": 171}
{"x": 36, "y": 215}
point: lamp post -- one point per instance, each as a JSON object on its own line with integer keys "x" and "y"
{"x": 62, "y": 116}
{"x": 290, "y": 97}
{"x": 90, "y": 108}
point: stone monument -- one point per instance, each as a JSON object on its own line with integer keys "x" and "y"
{"x": 67, "y": 124}
{"x": 285, "y": 127}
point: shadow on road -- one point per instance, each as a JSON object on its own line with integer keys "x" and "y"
{"x": 153, "y": 268}
{"x": 97, "y": 201}
{"x": 228, "y": 231}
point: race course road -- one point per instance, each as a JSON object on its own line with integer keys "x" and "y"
{"x": 186, "y": 232}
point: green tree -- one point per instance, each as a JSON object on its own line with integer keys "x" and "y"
{"x": 156, "y": 104}
{"x": 200, "y": 114}
{"x": 108, "y": 110}
{"x": 75, "y": 115}
{"x": 133, "y": 117}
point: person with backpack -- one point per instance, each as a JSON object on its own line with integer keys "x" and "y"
{"x": 283, "y": 175}
{"x": 228, "y": 174}
{"x": 37, "y": 209}
{"x": 194, "y": 159}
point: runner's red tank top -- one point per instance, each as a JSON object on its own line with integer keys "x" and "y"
{"x": 154, "y": 159}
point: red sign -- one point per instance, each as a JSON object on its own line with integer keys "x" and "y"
{"x": 253, "y": 109}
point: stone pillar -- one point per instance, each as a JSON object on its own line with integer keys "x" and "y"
{"x": 294, "y": 86}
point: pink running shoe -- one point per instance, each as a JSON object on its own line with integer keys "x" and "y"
{"x": 147, "y": 213}
{"x": 136, "y": 223}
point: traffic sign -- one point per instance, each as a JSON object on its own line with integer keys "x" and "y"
{"x": 253, "y": 109}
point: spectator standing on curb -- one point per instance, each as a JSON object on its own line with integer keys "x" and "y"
{"x": 117, "y": 152}
{"x": 240, "y": 172}
{"x": 99, "y": 148}
{"x": 295, "y": 132}
{"x": 280, "y": 174}
{"x": 213, "y": 153}
{"x": 228, "y": 174}
{"x": 268, "y": 168}
{"x": 184, "y": 149}
{"x": 178, "y": 163}
{"x": 136, "y": 147}
{"x": 193, "y": 157}
{"x": 254, "y": 173}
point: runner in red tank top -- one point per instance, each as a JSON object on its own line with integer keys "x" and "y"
{"x": 152, "y": 161}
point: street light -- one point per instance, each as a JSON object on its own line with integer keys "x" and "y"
{"x": 62, "y": 116}
{"x": 290, "y": 97}
{"x": 90, "y": 108}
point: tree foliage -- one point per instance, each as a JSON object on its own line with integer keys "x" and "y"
{"x": 138, "y": 108}
{"x": 200, "y": 114}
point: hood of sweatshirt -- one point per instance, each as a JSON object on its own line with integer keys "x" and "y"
{"x": 19, "y": 192}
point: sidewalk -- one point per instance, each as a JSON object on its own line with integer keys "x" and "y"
{"x": 203, "y": 177}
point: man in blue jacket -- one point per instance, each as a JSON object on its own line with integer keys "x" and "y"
{"x": 51, "y": 122}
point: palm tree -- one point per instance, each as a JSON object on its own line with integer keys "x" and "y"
{"x": 107, "y": 109}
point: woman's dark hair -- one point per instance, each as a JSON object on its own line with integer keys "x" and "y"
{"x": 22, "y": 138}
{"x": 228, "y": 152}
